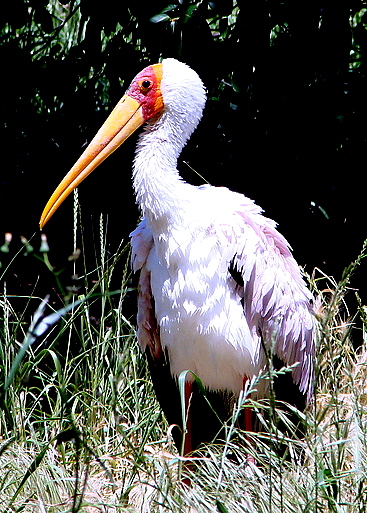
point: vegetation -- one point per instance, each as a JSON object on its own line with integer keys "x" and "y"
{"x": 79, "y": 425}
{"x": 81, "y": 430}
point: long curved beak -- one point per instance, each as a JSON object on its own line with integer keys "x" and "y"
{"x": 126, "y": 117}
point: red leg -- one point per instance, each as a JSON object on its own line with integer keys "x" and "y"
{"x": 248, "y": 424}
{"x": 188, "y": 448}
{"x": 187, "y": 445}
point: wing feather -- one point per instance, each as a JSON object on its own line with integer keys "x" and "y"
{"x": 148, "y": 331}
{"x": 141, "y": 244}
{"x": 277, "y": 302}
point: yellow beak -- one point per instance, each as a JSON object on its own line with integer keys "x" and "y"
{"x": 126, "y": 117}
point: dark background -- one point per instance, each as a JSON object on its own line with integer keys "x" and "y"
{"x": 285, "y": 121}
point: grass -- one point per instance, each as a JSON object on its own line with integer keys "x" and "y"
{"x": 81, "y": 430}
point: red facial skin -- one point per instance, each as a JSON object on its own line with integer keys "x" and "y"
{"x": 145, "y": 89}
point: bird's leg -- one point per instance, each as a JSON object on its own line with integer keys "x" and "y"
{"x": 188, "y": 447}
{"x": 248, "y": 424}
{"x": 187, "y": 431}
{"x": 247, "y": 413}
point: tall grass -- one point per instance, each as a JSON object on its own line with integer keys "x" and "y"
{"x": 81, "y": 430}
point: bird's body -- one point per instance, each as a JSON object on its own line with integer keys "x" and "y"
{"x": 218, "y": 287}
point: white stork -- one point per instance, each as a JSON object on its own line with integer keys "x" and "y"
{"x": 218, "y": 284}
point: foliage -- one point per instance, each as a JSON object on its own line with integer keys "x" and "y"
{"x": 286, "y": 87}
{"x": 81, "y": 429}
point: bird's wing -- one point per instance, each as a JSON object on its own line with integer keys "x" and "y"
{"x": 148, "y": 332}
{"x": 277, "y": 304}
{"x": 165, "y": 385}
{"x": 141, "y": 244}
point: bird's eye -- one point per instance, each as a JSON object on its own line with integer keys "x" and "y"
{"x": 145, "y": 85}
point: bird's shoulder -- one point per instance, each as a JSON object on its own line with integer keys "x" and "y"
{"x": 141, "y": 244}
{"x": 239, "y": 222}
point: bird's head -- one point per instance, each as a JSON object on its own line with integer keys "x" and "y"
{"x": 169, "y": 87}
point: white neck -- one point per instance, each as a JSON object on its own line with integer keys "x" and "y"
{"x": 158, "y": 186}
{"x": 159, "y": 189}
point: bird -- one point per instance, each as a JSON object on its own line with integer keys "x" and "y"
{"x": 218, "y": 288}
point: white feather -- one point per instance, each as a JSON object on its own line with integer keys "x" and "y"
{"x": 209, "y": 323}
